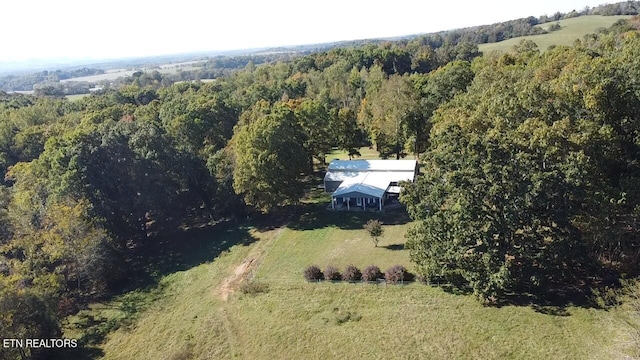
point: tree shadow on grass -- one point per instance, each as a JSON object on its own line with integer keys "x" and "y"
{"x": 164, "y": 254}
{"x": 554, "y": 300}
{"x": 94, "y": 328}
{"x": 276, "y": 218}
{"x": 588, "y": 288}
{"x": 81, "y": 352}
{"x": 96, "y": 323}
{"x": 317, "y": 216}
{"x": 551, "y": 310}
{"x": 394, "y": 247}
{"x": 186, "y": 248}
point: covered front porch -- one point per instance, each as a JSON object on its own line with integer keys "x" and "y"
{"x": 357, "y": 202}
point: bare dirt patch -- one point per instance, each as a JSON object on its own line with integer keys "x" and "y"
{"x": 232, "y": 282}
{"x": 246, "y": 269}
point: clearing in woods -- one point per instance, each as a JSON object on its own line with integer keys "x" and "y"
{"x": 196, "y": 312}
{"x": 571, "y": 30}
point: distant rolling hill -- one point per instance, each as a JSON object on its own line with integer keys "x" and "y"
{"x": 572, "y": 29}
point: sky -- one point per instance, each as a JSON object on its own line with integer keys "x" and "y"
{"x": 109, "y": 29}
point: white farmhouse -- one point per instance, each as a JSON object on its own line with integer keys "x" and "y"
{"x": 362, "y": 184}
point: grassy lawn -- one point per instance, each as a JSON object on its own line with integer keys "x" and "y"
{"x": 572, "y": 29}
{"x": 323, "y": 237}
{"x": 180, "y": 315}
{"x": 366, "y": 153}
{"x": 76, "y": 97}
{"x": 184, "y": 316}
{"x": 187, "y": 319}
{"x": 347, "y": 321}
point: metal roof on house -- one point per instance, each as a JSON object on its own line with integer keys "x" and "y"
{"x": 372, "y": 165}
{"x": 340, "y": 175}
{"x": 371, "y": 183}
{"x": 369, "y": 178}
{"x": 358, "y": 184}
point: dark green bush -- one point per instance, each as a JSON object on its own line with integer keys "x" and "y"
{"x": 351, "y": 273}
{"x": 331, "y": 273}
{"x": 555, "y": 27}
{"x": 313, "y": 273}
{"x": 372, "y": 273}
{"x": 397, "y": 274}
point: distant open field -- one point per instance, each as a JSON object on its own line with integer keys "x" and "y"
{"x": 572, "y": 29}
{"x": 197, "y": 312}
{"x": 108, "y": 75}
{"x": 118, "y": 73}
{"x": 76, "y": 97}
{"x": 193, "y": 81}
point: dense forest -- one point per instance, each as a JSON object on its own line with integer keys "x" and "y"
{"x": 529, "y": 160}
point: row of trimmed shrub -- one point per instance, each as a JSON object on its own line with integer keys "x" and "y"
{"x": 393, "y": 275}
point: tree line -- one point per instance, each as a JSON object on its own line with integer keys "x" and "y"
{"x": 26, "y": 82}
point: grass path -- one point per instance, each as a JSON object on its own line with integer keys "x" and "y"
{"x": 233, "y": 281}
{"x": 247, "y": 268}
{"x": 231, "y": 335}
{"x": 198, "y": 312}
{"x": 185, "y": 316}
{"x": 230, "y": 284}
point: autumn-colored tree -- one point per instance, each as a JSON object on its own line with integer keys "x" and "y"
{"x": 375, "y": 230}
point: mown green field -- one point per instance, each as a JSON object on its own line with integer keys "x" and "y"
{"x": 322, "y": 237}
{"x": 194, "y": 313}
{"x": 76, "y": 97}
{"x": 366, "y": 153}
{"x": 572, "y": 29}
{"x": 346, "y": 321}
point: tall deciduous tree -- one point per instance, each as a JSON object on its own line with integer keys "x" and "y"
{"x": 198, "y": 119}
{"x": 221, "y": 166}
{"x": 77, "y": 244}
{"x": 434, "y": 90}
{"x": 349, "y": 136}
{"x": 314, "y": 120}
{"x": 389, "y": 111}
{"x": 529, "y": 179}
{"x": 270, "y": 159}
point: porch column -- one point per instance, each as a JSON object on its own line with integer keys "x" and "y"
{"x": 363, "y": 199}
{"x": 333, "y": 203}
{"x": 380, "y": 203}
{"x": 348, "y": 201}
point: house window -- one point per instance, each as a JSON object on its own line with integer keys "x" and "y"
{"x": 359, "y": 201}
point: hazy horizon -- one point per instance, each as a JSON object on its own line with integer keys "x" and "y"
{"x": 69, "y": 31}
